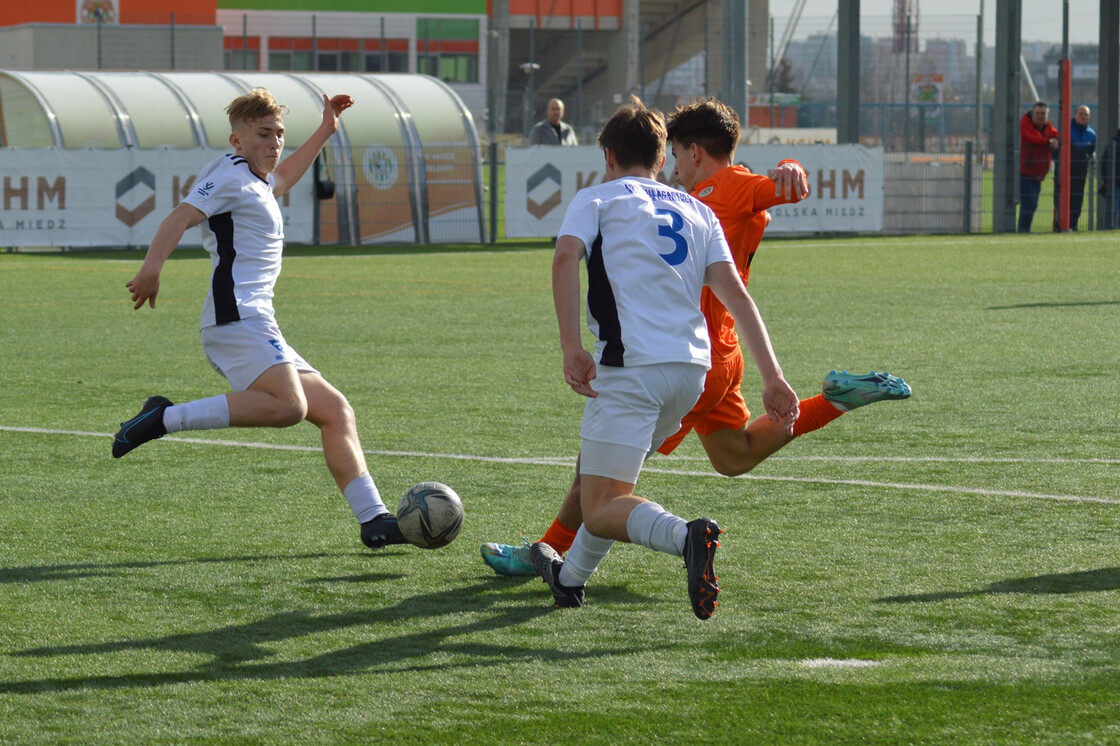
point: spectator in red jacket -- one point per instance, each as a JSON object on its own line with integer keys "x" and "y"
{"x": 1038, "y": 140}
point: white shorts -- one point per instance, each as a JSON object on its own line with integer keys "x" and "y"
{"x": 637, "y": 408}
{"x": 242, "y": 350}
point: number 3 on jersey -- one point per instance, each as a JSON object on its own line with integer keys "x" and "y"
{"x": 673, "y": 233}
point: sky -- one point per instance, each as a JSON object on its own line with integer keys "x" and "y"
{"x": 1042, "y": 19}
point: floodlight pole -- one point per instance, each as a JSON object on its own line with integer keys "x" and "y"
{"x": 1064, "y": 134}
{"x": 1005, "y": 115}
{"x": 847, "y": 73}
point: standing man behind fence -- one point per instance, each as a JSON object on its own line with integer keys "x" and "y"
{"x": 1038, "y": 139}
{"x": 1082, "y": 145}
{"x": 552, "y": 130}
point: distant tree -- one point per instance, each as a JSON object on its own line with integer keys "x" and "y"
{"x": 784, "y": 78}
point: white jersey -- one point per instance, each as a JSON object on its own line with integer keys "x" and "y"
{"x": 244, "y": 233}
{"x": 648, "y": 247}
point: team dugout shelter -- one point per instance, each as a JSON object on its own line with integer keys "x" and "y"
{"x": 99, "y": 158}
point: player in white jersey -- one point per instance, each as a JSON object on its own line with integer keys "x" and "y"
{"x": 649, "y": 251}
{"x": 234, "y": 200}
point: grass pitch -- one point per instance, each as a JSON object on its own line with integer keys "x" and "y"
{"x": 939, "y": 570}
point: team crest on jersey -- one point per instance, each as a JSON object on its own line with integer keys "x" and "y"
{"x": 706, "y": 191}
{"x": 205, "y": 189}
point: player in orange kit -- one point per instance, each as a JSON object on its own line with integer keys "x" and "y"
{"x": 703, "y": 136}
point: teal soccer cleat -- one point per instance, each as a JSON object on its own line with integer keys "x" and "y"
{"x": 850, "y": 391}
{"x": 506, "y": 559}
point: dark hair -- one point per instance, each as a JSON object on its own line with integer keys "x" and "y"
{"x": 710, "y": 123}
{"x": 635, "y": 134}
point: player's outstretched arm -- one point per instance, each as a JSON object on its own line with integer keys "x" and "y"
{"x": 579, "y": 366}
{"x": 292, "y": 168}
{"x": 145, "y": 285}
{"x": 778, "y": 396}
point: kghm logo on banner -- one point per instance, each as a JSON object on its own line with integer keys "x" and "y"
{"x": 136, "y": 196}
{"x": 379, "y": 164}
{"x": 551, "y": 200}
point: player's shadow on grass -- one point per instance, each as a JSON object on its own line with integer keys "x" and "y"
{"x": 1088, "y": 581}
{"x": 1071, "y": 304}
{"x": 242, "y": 652}
{"x": 44, "y": 573}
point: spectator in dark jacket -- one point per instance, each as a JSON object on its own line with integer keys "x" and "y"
{"x": 1038, "y": 140}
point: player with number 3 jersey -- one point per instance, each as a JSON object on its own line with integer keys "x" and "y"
{"x": 703, "y": 136}
{"x": 649, "y": 251}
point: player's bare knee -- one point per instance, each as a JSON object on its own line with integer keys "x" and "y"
{"x": 339, "y": 414}
{"x": 333, "y": 413}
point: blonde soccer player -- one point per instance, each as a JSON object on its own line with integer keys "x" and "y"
{"x": 234, "y": 202}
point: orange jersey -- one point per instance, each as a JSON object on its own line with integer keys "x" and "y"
{"x": 739, "y": 199}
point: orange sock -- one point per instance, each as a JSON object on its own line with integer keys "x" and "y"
{"x": 816, "y": 412}
{"x": 559, "y": 537}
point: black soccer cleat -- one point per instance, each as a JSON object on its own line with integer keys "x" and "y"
{"x": 148, "y": 425}
{"x": 381, "y": 531}
{"x": 547, "y": 563}
{"x": 699, "y": 550}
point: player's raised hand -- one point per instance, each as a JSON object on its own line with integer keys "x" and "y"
{"x": 333, "y": 108}
{"x": 781, "y": 403}
{"x": 579, "y": 372}
{"x": 790, "y": 181}
{"x": 145, "y": 288}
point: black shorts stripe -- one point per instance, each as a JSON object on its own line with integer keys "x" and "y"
{"x": 601, "y": 304}
{"x": 225, "y": 302}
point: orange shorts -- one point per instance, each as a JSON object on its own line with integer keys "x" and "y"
{"x": 720, "y": 407}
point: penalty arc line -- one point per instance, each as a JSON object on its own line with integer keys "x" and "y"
{"x": 570, "y": 462}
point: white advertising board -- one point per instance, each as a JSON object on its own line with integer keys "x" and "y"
{"x": 845, "y": 182}
{"x": 55, "y": 197}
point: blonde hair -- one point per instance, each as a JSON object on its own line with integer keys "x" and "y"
{"x": 255, "y": 105}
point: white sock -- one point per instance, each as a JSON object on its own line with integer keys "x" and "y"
{"x": 364, "y": 498}
{"x": 201, "y": 414}
{"x": 583, "y": 558}
{"x": 652, "y": 526}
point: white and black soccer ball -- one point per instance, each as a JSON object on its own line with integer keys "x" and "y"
{"x": 430, "y": 515}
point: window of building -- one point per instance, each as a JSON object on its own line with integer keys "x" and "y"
{"x": 447, "y": 48}
{"x": 242, "y": 53}
{"x": 393, "y": 62}
{"x": 463, "y": 29}
{"x": 337, "y": 55}
{"x": 452, "y": 68}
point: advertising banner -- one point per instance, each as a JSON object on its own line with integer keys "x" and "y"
{"x": 845, "y": 183}
{"x": 55, "y": 197}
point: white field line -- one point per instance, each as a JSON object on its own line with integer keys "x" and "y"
{"x": 569, "y": 462}
{"x": 838, "y": 663}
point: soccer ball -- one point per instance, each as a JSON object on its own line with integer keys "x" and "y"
{"x": 430, "y": 515}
